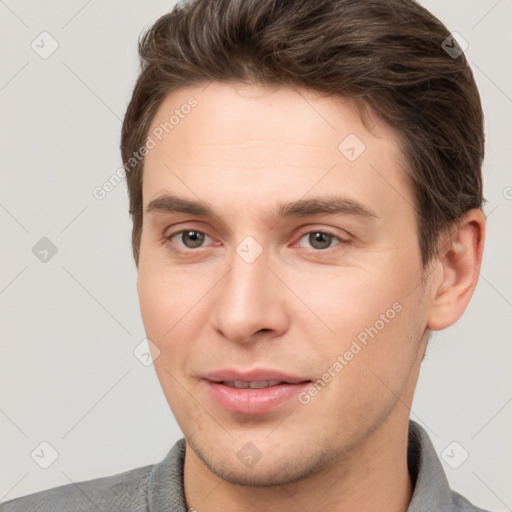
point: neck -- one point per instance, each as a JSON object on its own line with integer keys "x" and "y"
{"x": 373, "y": 476}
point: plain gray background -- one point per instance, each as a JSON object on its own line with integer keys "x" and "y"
{"x": 69, "y": 326}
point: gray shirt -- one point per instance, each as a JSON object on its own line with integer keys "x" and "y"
{"x": 159, "y": 487}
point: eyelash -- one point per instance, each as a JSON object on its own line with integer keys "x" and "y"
{"x": 301, "y": 236}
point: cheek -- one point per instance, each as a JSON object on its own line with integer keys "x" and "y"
{"x": 164, "y": 317}
{"x": 367, "y": 367}
{"x": 375, "y": 322}
{"x": 173, "y": 308}
{"x": 164, "y": 291}
{"x": 161, "y": 309}
{"x": 349, "y": 299}
{"x": 154, "y": 302}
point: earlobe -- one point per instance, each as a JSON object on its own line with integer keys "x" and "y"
{"x": 460, "y": 257}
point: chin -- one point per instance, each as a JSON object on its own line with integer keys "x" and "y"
{"x": 270, "y": 471}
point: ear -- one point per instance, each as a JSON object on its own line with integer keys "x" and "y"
{"x": 460, "y": 258}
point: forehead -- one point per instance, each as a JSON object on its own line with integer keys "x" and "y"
{"x": 280, "y": 141}
{"x": 278, "y": 114}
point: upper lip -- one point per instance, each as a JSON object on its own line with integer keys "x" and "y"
{"x": 255, "y": 375}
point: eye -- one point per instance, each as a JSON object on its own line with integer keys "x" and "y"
{"x": 320, "y": 240}
{"x": 188, "y": 238}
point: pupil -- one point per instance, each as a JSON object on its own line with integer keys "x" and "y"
{"x": 194, "y": 237}
{"x": 322, "y": 238}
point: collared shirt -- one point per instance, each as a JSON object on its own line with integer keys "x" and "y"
{"x": 159, "y": 487}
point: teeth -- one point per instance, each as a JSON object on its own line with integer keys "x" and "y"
{"x": 238, "y": 384}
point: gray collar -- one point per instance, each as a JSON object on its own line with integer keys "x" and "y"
{"x": 431, "y": 488}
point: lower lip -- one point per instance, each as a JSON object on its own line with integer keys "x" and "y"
{"x": 253, "y": 401}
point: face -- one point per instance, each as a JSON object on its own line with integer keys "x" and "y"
{"x": 280, "y": 277}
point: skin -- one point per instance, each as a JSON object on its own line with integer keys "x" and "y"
{"x": 297, "y": 307}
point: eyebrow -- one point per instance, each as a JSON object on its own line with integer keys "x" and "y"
{"x": 323, "y": 205}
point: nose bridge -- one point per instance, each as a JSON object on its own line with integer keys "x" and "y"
{"x": 246, "y": 302}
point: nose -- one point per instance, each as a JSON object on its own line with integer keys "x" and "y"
{"x": 250, "y": 302}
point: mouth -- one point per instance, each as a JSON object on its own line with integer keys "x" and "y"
{"x": 240, "y": 384}
{"x": 252, "y": 393}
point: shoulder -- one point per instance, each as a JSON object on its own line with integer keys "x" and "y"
{"x": 153, "y": 487}
{"x": 432, "y": 491}
{"x": 461, "y": 504}
{"x": 125, "y": 491}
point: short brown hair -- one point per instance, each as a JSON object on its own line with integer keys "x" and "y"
{"x": 387, "y": 53}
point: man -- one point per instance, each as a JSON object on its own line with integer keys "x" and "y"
{"x": 305, "y": 187}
